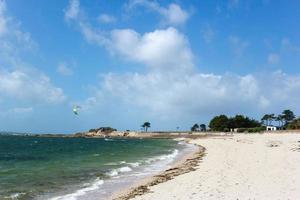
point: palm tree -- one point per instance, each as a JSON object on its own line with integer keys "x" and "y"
{"x": 146, "y": 125}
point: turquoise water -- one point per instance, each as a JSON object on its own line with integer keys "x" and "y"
{"x": 35, "y": 167}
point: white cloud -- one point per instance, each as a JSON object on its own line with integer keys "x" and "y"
{"x": 165, "y": 49}
{"x": 172, "y": 86}
{"x": 273, "y": 58}
{"x": 106, "y": 19}
{"x": 19, "y": 80}
{"x": 64, "y": 69}
{"x": 171, "y": 15}
{"x": 238, "y": 45}
{"x": 72, "y": 11}
{"x": 13, "y": 41}
{"x": 92, "y": 35}
{"x": 204, "y": 94}
{"x": 30, "y": 86}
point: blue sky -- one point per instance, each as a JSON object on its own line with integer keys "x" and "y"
{"x": 173, "y": 63}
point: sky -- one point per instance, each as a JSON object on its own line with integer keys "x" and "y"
{"x": 172, "y": 63}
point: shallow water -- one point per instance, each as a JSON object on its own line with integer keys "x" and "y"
{"x": 69, "y": 168}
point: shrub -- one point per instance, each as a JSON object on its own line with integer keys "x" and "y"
{"x": 226, "y": 130}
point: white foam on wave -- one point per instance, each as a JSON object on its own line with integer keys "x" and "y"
{"x": 163, "y": 157}
{"x": 111, "y": 163}
{"x": 74, "y": 196}
{"x": 115, "y": 172}
{"x": 108, "y": 139}
{"x": 135, "y": 164}
{"x": 16, "y": 195}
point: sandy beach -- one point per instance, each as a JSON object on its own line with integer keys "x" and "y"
{"x": 243, "y": 166}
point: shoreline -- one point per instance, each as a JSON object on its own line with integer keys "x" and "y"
{"x": 109, "y": 190}
{"x": 184, "y": 165}
{"x": 244, "y": 166}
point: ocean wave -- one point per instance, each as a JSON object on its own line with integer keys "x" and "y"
{"x": 170, "y": 156}
{"x": 111, "y": 163}
{"x": 135, "y": 164}
{"x": 108, "y": 139}
{"x": 115, "y": 172}
{"x": 73, "y": 196}
{"x": 16, "y": 195}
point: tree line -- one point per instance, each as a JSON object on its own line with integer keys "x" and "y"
{"x": 241, "y": 123}
{"x": 283, "y": 119}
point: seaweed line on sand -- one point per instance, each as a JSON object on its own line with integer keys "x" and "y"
{"x": 187, "y": 166}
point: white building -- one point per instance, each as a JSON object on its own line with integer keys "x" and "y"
{"x": 271, "y": 128}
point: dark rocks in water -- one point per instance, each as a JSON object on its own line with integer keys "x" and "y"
{"x": 125, "y": 134}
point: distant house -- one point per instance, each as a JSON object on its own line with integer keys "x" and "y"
{"x": 271, "y": 128}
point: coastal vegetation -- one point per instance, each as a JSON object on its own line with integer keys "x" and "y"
{"x": 283, "y": 119}
{"x": 240, "y": 123}
{"x": 224, "y": 123}
{"x": 146, "y": 125}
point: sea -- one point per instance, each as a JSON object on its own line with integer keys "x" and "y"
{"x": 61, "y": 168}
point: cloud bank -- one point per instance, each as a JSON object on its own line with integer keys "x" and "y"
{"x": 173, "y": 86}
{"x": 18, "y": 80}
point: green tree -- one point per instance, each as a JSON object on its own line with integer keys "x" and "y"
{"x": 288, "y": 116}
{"x": 265, "y": 119}
{"x": 202, "y": 127}
{"x": 146, "y": 125}
{"x": 271, "y": 118}
{"x": 219, "y": 123}
{"x": 195, "y": 127}
{"x": 280, "y": 120}
{"x": 295, "y": 124}
{"x": 240, "y": 121}
{"x": 268, "y": 118}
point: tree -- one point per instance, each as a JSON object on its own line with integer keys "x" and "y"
{"x": 146, "y": 125}
{"x": 202, "y": 127}
{"x": 241, "y": 121}
{"x": 271, "y": 118}
{"x": 288, "y": 116}
{"x": 195, "y": 127}
{"x": 280, "y": 120}
{"x": 264, "y": 119}
{"x": 295, "y": 124}
{"x": 268, "y": 118}
{"x": 219, "y": 123}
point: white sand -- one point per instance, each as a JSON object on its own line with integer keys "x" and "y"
{"x": 239, "y": 167}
